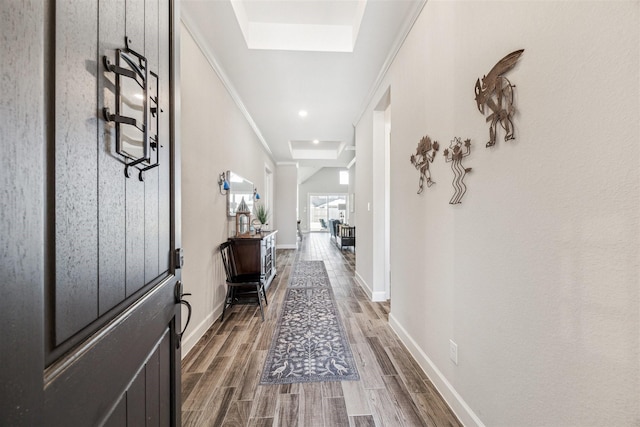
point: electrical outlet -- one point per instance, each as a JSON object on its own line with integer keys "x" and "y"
{"x": 453, "y": 352}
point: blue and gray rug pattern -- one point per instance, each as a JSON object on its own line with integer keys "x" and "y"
{"x": 310, "y": 343}
{"x": 305, "y": 274}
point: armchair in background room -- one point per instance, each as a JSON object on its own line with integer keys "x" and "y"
{"x": 333, "y": 228}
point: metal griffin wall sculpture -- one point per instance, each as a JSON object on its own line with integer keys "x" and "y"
{"x": 454, "y": 154}
{"x": 496, "y": 92}
{"x": 425, "y": 153}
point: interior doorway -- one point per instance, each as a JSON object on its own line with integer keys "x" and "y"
{"x": 323, "y": 207}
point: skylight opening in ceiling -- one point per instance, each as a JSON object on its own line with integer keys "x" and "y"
{"x": 300, "y": 25}
{"x": 309, "y": 150}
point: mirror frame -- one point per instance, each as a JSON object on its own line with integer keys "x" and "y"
{"x": 237, "y": 185}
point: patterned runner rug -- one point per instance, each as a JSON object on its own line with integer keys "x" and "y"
{"x": 310, "y": 343}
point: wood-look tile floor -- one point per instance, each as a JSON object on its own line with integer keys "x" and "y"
{"x": 220, "y": 376}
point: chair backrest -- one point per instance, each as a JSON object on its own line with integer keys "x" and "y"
{"x": 228, "y": 260}
{"x": 347, "y": 231}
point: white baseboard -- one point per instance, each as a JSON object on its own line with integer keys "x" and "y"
{"x": 189, "y": 341}
{"x": 379, "y": 296}
{"x": 450, "y": 395}
{"x": 363, "y": 285}
{"x": 288, "y": 246}
{"x": 373, "y": 296}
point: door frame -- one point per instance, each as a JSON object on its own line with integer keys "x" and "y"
{"x": 381, "y": 286}
{"x": 22, "y": 259}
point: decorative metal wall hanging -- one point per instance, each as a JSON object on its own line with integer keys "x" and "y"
{"x": 455, "y": 154}
{"x": 137, "y": 110}
{"x": 425, "y": 154}
{"x": 496, "y": 92}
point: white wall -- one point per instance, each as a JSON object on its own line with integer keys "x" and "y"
{"x": 215, "y": 137}
{"x": 285, "y": 206}
{"x": 326, "y": 180}
{"x": 536, "y": 274}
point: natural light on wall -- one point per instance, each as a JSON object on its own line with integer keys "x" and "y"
{"x": 344, "y": 177}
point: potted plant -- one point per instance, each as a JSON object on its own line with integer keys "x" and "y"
{"x": 262, "y": 214}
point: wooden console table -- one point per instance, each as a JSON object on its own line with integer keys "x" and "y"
{"x": 256, "y": 253}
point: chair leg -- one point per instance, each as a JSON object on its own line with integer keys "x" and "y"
{"x": 227, "y": 300}
{"x": 264, "y": 294}
{"x": 259, "y": 290}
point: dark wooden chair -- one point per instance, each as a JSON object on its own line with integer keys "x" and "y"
{"x": 346, "y": 236}
{"x": 241, "y": 288}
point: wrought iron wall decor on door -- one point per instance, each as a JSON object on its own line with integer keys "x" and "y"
{"x": 136, "y": 111}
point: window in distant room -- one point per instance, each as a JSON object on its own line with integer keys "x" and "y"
{"x": 344, "y": 177}
{"x": 325, "y": 207}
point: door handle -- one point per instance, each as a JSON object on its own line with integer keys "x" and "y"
{"x": 180, "y": 300}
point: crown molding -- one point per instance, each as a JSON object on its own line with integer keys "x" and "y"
{"x": 399, "y": 41}
{"x": 210, "y": 57}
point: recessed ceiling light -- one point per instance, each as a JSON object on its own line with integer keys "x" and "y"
{"x": 302, "y": 113}
{"x": 315, "y": 141}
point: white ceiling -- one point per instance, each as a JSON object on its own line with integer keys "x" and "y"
{"x": 272, "y": 82}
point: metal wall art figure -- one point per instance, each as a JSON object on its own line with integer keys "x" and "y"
{"x": 425, "y": 153}
{"x": 496, "y": 92}
{"x": 455, "y": 154}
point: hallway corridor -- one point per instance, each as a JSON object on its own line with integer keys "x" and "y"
{"x": 220, "y": 375}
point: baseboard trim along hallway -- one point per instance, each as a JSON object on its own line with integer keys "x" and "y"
{"x": 448, "y": 393}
